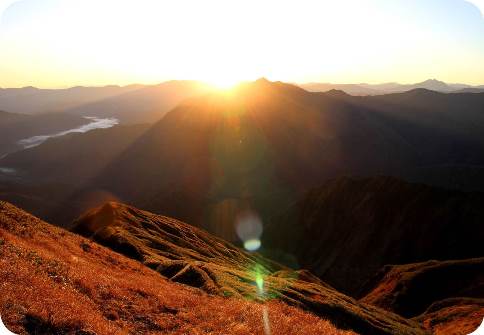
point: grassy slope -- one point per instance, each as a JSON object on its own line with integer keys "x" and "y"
{"x": 191, "y": 256}
{"x": 53, "y": 281}
{"x": 458, "y": 316}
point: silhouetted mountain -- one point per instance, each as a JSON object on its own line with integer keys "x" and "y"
{"x": 349, "y": 228}
{"x": 430, "y": 84}
{"x": 147, "y": 104}
{"x": 433, "y": 292}
{"x": 258, "y": 147}
{"x": 386, "y": 88}
{"x": 445, "y": 131}
{"x": 191, "y": 256}
{"x": 265, "y": 144}
{"x": 31, "y": 100}
{"x": 353, "y": 89}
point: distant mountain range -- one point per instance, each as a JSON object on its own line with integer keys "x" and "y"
{"x": 148, "y": 103}
{"x": 263, "y": 146}
{"x": 379, "y": 89}
{"x": 128, "y": 104}
{"x": 32, "y": 100}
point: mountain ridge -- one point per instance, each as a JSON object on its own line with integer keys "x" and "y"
{"x": 387, "y": 220}
{"x": 189, "y": 255}
{"x": 56, "y": 282}
{"x": 362, "y": 89}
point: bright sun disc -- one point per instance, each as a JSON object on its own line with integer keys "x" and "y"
{"x": 223, "y": 83}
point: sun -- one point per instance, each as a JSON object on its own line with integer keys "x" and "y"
{"x": 223, "y": 82}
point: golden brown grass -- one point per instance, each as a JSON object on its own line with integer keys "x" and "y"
{"x": 457, "y": 316}
{"x": 53, "y": 281}
{"x": 191, "y": 256}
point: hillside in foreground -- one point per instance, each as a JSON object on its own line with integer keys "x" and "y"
{"x": 191, "y": 256}
{"x": 55, "y": 282}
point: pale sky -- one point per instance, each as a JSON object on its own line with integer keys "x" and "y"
{"x": 61, "y": 43}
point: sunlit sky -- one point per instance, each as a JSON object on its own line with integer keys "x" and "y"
{"x": 61, "y": 43}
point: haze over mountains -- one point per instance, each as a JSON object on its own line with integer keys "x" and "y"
{"x": 135, "y": 103}
{"x": 379, "y": 89}
{"x": 16, "y": 127}
{"x": 265, "y": 144}
{"x": 129, "y": 104}
{"x": 56, "y": 111}
{"x": 32, "y": 100}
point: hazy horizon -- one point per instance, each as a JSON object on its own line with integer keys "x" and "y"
{"x": 67, "y": 43}
{"x": 238, "y": 82}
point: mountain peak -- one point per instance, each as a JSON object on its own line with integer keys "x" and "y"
{"x": 263, "y": 80}
{"x": 433, "y": 84}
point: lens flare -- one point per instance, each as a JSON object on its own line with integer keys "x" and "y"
{"x": 265, "y": 319}
{"x": 248, "y": 226}
{"x": 252, "y": 245}
{"x": 259, "y": 281}
{"x": 249, "y": 229}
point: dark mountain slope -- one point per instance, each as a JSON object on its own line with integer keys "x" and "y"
{"x": 56, "y": 282}
{"x": 7, "y": 118}
{"x": 263, "y": 145}
{"x": 349, "y": 228}
{"x": 446, "y": 296}
{"x": 73, "y": 158}
{"x": 444, "y": 129}
{"x": 257, "y": 147}
{"x": 43, "y": 179}
{"x": 191, "y": 256}
{"x": 412, "y": 288}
